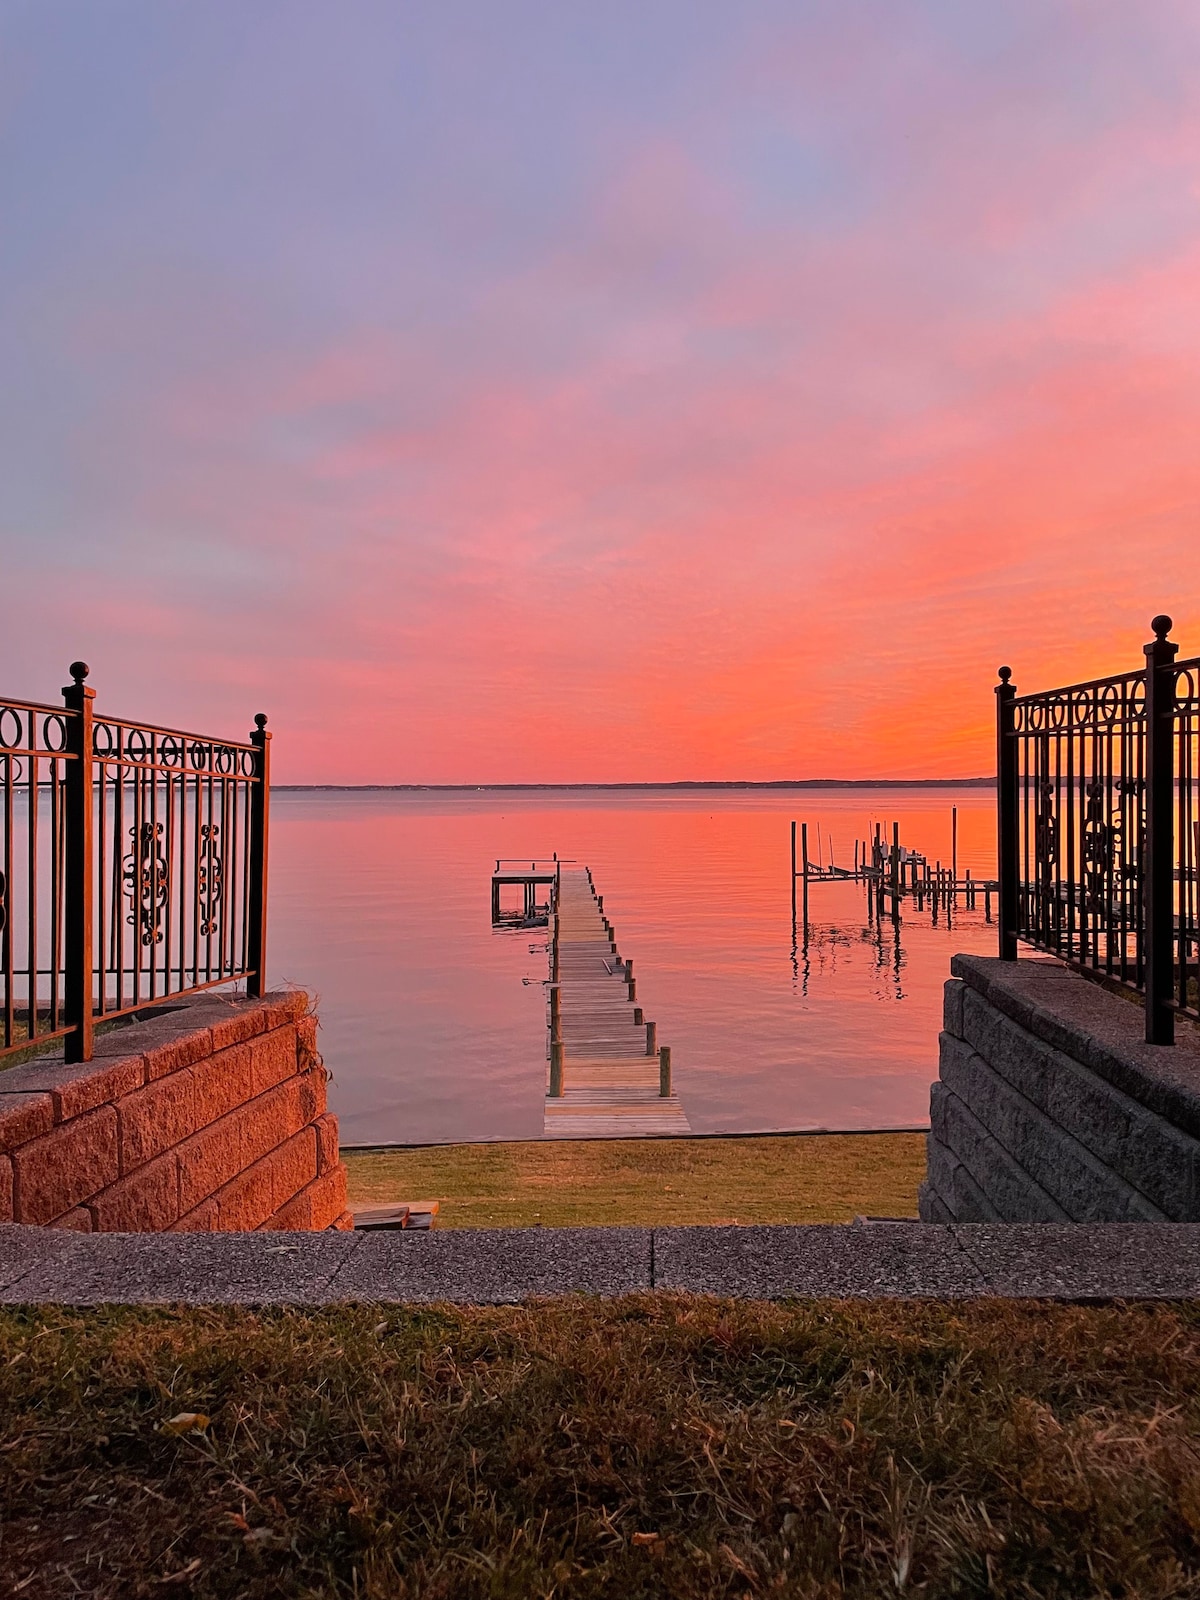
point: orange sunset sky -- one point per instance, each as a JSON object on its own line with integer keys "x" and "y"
{"x": 513, "y": 392}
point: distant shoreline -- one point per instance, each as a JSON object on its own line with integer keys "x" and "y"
{"x": 683, "y": 783}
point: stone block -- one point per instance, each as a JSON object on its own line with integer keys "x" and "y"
{"x": 937, "y": 1115}
{"x": 1013, "y": 1192}
{"x": 247, "y": 1202}
{"x": 23, "y": 1117}
{"x": 967, "y": 1200}
{"x": 1158, "y": 1160}
{"x": 312, "y": 1093}
{"x": 930, "y": 1205}
{"x": 327, "y": 1142}
{"x": 1085, "y": 1189}
{"x": 952, "y": 1006}
{"x": 204, "y": 1218}
{"x": 272, "y": 1058}
{"x": 175, "y": 1049}
{"x": 294, "y": 1167}
{"x": 6, "y": 1189}
{"x": 156, "y": 1117}
{"x": 328, "y": 1197}
{"x": 318, "y": 1205}
{"x": 940, "y": 1160}
{"x": 284, "y": 1006}
{"x": 293, "y": 1217}
{"x": 270, "y": 1119}
{"x": 343, "y": 1223}
{"x": 307, "y": 1053}
{"x": 210, "y": 1159}
{"x": 237, "y": 1024}
{"x": 75, "y": 1089}
{"x": 147, "y": 1201}
{"x": 223, "y": 1082}
{"x": 66, "y": 1166}
{"x": 262, "y": 1188}
{"x": 77, "y": 1220}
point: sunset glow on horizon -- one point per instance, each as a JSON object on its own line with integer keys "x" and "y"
{"x": 657, "y": 392}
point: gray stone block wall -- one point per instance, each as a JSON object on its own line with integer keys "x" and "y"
{"x": 1050, "y": 1107}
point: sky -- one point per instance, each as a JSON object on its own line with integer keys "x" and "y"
{"x": 662, "y": 389}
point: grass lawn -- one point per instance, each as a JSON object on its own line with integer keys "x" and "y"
{"x": 647, "y": 1182}
{"x": 652, "y": 1446}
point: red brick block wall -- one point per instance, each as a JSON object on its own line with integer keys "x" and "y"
{"x": 208, "y": 1117}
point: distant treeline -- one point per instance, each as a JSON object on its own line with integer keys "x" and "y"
{"x": 683, "y": 783}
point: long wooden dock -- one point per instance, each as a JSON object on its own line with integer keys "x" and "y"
{"x": 605, "y": 1062}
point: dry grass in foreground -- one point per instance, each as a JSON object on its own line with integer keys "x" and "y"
{"x": 649, "y": 1182}
{"x": 655, "y": 1446}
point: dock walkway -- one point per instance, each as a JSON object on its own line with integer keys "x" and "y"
{"x": 611, "y": 1087}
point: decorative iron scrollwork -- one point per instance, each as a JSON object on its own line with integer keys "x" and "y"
{"x": 3, "y": 902}
{"x": 1046, "y": 836}
{"x": 210, "y": 874}
{"x": 147, "y": 878}
{"x": 1099, "y": 847}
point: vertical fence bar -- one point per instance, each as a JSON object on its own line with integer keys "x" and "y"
{"x": 1160, "y": 829}
{"x": 1007, "y": 803}
{"x": 77, "y": 986}
{"x": 260, "y": 809}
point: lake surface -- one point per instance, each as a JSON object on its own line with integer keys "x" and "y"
{"x": 434, "y": 1024}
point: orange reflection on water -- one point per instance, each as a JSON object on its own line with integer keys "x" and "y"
{"x": 434, "y": 1024}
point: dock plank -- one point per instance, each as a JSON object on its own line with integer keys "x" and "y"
{"x": 610, "y": 1084}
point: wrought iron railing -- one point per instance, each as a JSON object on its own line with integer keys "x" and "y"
{"x": 1099, "y": 827}
{"x": 133, "y": 866}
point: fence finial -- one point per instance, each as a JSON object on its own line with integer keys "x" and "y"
{"x": 1005, "y": 673}
{"x": 80, "y": 669}
{"x": 260, "y": 720}
{"x": 1162, "y": 626}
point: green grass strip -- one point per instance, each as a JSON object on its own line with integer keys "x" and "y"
{"x": 650, "y": 1182}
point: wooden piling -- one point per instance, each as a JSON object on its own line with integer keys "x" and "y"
{"x": 793, "y": 875}
{"x": 804, "y": 852}
{"x": 664, "y": 1071}
{"x": 954, "y": 848}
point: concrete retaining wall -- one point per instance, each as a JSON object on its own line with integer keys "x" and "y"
{"x": 1050, "y": 1106}
{"x": 208, "y": 1117}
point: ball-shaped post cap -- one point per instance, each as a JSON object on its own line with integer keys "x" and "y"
{"x": 79, "y": 670}
{"x": 1162, "y": 627}
{"x": 260, "y": 720}
{"x": 1005, "y": 674}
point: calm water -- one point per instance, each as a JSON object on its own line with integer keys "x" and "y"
{"x": 434, "y": 1025}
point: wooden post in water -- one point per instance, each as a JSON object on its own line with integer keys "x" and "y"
{"x": 954, "y": 849}
{"x": 651, "y": 1038}
{"x": 793, "y": 875}
{"x": 895, "y": 872}
{"x": 804, "y": 855}
{"x": 639, "y": 1020}
{"x": 664, "y": 1071}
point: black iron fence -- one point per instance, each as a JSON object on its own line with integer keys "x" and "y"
{"x": 133, "y": 866}
{"x": 1099, "y": 827}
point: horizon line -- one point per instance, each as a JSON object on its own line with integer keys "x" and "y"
{"x": 674, "y": 783}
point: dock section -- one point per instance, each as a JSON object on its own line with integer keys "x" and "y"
{"x": 608, "y": 1076}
